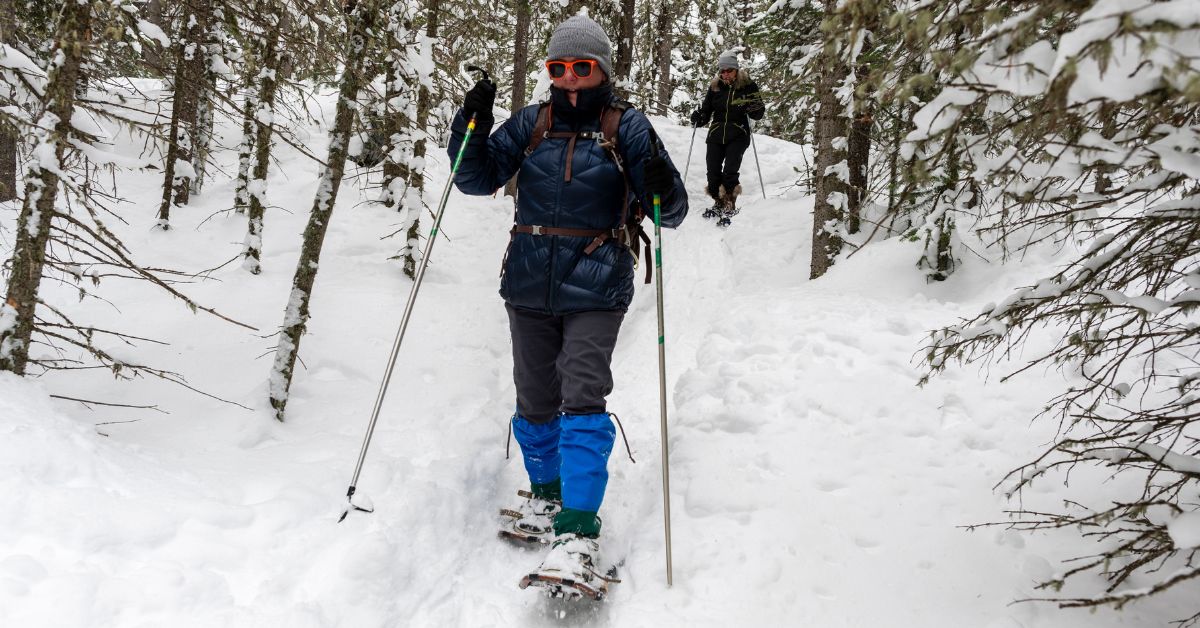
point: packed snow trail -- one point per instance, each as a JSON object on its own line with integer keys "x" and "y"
{"x": 813, "y": 483}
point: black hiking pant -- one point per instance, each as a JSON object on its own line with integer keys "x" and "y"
{"x": 562, "y": 363}
{"x": 724, "y": 163}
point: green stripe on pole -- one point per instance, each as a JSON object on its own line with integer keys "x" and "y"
{"x": 462, "y": 148}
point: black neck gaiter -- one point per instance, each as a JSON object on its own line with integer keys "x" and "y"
{"x": 588, "y": 103}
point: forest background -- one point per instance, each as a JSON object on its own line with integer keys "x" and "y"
{"x": 968, "y": 129}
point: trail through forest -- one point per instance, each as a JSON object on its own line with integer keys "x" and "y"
{"x": 813, "y": 483}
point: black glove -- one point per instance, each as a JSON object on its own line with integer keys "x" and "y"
{"x": 657, "y": 177}
{"x": 696, "y": 118}
{"x": 479, "y": 100}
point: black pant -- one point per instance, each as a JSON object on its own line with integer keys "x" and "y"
{"x": 731, "y": 154}
{"x": 562, "y": 363}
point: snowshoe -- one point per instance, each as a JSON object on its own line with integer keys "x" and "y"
{"x": 532, "y": 523}
{"x": 570, "y": 571}
{"x": 715, "y": 210}
{"x": 724, "y": 221}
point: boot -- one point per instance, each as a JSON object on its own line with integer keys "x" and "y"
{"x": 718, "y": 204}
{"x": 536, "y": 516}
{"x": 570, "y": 570}
{"x": 730, "y": 200}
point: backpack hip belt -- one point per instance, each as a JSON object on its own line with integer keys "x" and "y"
{"x": 623, "y": 235}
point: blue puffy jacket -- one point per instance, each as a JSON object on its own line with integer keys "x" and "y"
{"x": 552, "y": 274}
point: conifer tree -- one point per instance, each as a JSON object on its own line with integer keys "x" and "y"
{"x": 830, "y": 168}
{"x": 362, "y": 33}
{"x": 190, "y": 73}
{"x": 1036, "y": 102}
{"x": 17, "y": 313}
{"x": 262, "y": 107}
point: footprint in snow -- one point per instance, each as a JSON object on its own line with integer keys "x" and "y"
{"x": 867, "y": 543}
{"x": 830, "y": 485}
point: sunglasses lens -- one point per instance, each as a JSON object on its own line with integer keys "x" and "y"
{"x": 582, "y": 69}
{"x": 556, "y": 68}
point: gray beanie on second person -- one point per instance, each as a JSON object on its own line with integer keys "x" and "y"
{"x": 581, "y": 37}
{"x": 728, "y": 61}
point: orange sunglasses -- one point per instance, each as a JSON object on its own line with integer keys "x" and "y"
{"x": 581, "y": 68}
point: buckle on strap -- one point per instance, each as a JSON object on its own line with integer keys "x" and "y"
{"x": 535, "y": 230}
{"x": 623, "y": 235}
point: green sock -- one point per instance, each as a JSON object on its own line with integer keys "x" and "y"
{"x": 581, "y": 522}
{"x": 550, "y": 491}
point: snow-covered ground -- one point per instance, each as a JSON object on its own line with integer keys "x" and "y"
{"x": 813, "y": 483}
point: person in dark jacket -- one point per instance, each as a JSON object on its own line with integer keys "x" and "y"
{"x": 730, "y": 103}
{"x": 568, "y": 273}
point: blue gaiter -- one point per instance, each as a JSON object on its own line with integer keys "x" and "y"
{"x": 585, "y": 443}
{"x": 539, "y": 447}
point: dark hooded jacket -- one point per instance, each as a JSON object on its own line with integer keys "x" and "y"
{"x": 552, "y": 274}
{"x": 729, "y": 107}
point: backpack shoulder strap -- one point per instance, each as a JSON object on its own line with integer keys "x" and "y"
{"x": 539, "y": 128}
{"x": 632, "y": 213}
{"x": 610, "y": 123}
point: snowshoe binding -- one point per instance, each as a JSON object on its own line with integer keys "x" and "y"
{"x": 570, "y": 571}
{"x": 532, "y": 523}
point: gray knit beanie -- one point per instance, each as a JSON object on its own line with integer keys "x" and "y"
{"x": 582, "y": 38}
{"x": 728, "y": 61}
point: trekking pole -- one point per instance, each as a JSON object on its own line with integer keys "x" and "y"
{"x": 761, "y": 187}
{"x": 408, "y": 308}
{"x": 756, "y": 165}
{"x": 688, "y": 164}
{"x": 662, "y": 364}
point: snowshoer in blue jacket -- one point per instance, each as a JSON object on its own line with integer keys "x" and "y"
{"x": 568, "y": 273}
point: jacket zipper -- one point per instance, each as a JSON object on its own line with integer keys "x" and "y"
{"x": 554, "y": 239}
{"x": 728, "y": 106}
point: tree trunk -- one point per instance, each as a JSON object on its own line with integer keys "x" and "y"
{"x": 362, "y": 23}
{"x": 623, "y": 64}
{"x": 241, "y": 188}
{"x": 943, "y": 252}
{"x": 190, "y": 70}
{"x": 8, "y": 135}
{"x": 396, "y": 125}
{"x": 520, "y": 70}
{"x": 859, "y": 149}
{"x": 17, "y": 314}
{"x": 1108, "y": 128}
{"x": 433, "y": 12}
{"x": 830, "y": 198}
{"x": 203, "y": 133}
{"x": 662, "y": 57}
{"x": 152, "y": 53}
{"x": 858, "y": 153}
{"x": 572, "y": 7}
{"x": 746, "y": 12}
{"x": 521, "y": 55}
{"x": 400, "y": 95}
{"x": 264, "y": 117}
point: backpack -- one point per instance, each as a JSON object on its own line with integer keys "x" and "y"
{"x": 631, "y": 225}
